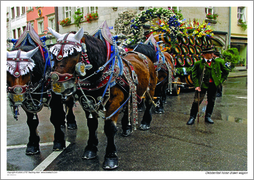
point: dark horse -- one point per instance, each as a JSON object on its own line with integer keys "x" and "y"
{"x": 164, "y": 68}
{"x": 26, "y": 87}
{"x": 104, "y": 83}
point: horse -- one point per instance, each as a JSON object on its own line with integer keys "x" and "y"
{"x": 164, "y": 68}
{"x": 27, "y": 87}
{"x": 28, "y": 84}
{"x": 103, "y": 82}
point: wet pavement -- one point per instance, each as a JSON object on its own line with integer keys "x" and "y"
{"x": 170, "y": 145}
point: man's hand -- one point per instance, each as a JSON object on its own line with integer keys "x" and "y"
{"x": 198, "y": 89}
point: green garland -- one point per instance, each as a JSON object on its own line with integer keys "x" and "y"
{"x": 160, "y": 20}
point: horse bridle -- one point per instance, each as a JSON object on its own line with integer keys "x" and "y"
{"x": 22, "y": 94}
{"x": 18, "y": 92}
{"x": 64, "y": 84}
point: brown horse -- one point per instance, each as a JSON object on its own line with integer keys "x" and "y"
{"x": 102, "y": 82}
{"x": 164, "y": 68}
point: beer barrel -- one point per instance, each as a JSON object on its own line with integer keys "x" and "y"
{"x": 185, "y": 49}
{"x": 189, "y": 60}
{"x": 195, "y": 58}
{"x": 209, "y": 41}
{"x": 180, "y": 60}
{"x": 204, "y": 41}
{"x": 192, "y": 49}
{"x": 162, "y": 37}
{"x": 198, "y": 50}
{"x": 185, "y": 40}
{"x": 177, "y": 49}
{"x": 188, "y": 80}
{"x": 198, "y": 41}
{"x": 192, "y": 40}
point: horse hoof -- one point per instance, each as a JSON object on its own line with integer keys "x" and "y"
{"x": 71, "y": 126}
{"x": 58, "y": 145}
{"x": 110, "y": 162}
{"x": 144, "y": 127}
{"x": 126, "y": 133}
{"x": 32, "y": 150}
{"x": 88, "y": 154}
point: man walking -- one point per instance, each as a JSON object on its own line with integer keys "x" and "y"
{"x": 207, "y": 75}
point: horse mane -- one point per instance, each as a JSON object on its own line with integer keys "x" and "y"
{"x": 37, "y": 72}
{"x": 145, "y": 49}
{"x": 97, "y": 55}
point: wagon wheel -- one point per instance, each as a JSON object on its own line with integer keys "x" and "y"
{"x": 176, "y": 89}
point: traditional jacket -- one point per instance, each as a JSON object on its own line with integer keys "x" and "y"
{"x": 218, "y": 72}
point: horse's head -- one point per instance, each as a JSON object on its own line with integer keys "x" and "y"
{"x": 67, "y": 57}
{"x": 19, "y": 67}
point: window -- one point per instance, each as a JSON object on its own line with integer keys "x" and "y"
{"x": 23, "y": 28}
{"x": 23, "y": 10}
{"x": 67, "y": 12}
{"x": 14, "y": 33}
{"x": 209, "y": 9}
{"x": 40, "y": 27}
{"x": 18, "y": 11}
{"x": 12, "y": 13}
{"x": 80, "y": 9}
{"x": 51, "y": 22}
{"x": 241, "y": 14}
{"x": 19, "y": 32}
{"x": 30, "y": 8}
{"x": 92, "y": 9}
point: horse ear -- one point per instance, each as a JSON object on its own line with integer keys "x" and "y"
{"x": 78, "y": 36}
{"x": 29, "y": 54}
{"x": 54, "y": 33}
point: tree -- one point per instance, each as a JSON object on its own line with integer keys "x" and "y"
{"x": 231, "y": 55}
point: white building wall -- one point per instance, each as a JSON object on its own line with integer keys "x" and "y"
{"x": 104, "y": 13}
{"x": 14, "y": 23}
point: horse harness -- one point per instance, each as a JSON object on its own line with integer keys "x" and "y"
{"x": 24, "y": 95}
{"x": 114, "y": 72}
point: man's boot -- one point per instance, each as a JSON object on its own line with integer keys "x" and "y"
{"x": 191, "y": 120}
{"x": 208, "y": 118}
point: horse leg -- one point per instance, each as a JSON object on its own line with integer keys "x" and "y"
{"x": 110, "y": 129}
{"x": 56, "y": 118}
{"x": 91, "y": 148}
{"x": 147, "y": 117}
{"x": 71, "y": 122}
{"x": 33, "y": 144}
{"x": 159, "y": 109}
{"x": 126, "y": 125}
{"x": 110, "y": 159}
{"x": 164, "y": 94}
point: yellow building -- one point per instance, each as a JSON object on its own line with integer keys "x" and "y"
{"x": 237, "y": 31}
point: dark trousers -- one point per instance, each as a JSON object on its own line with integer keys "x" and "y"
{"x": 211, "y": 96}
{"x": 219, "y": 91}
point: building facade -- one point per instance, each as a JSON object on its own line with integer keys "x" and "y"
{"x": 15, "y": 22}
{"x": 227, "y": 29}
{"x": 41, "y": 18}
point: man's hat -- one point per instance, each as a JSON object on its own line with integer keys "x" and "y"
{"x": 216, "y": 53}
{"x": 207, "y": 50}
